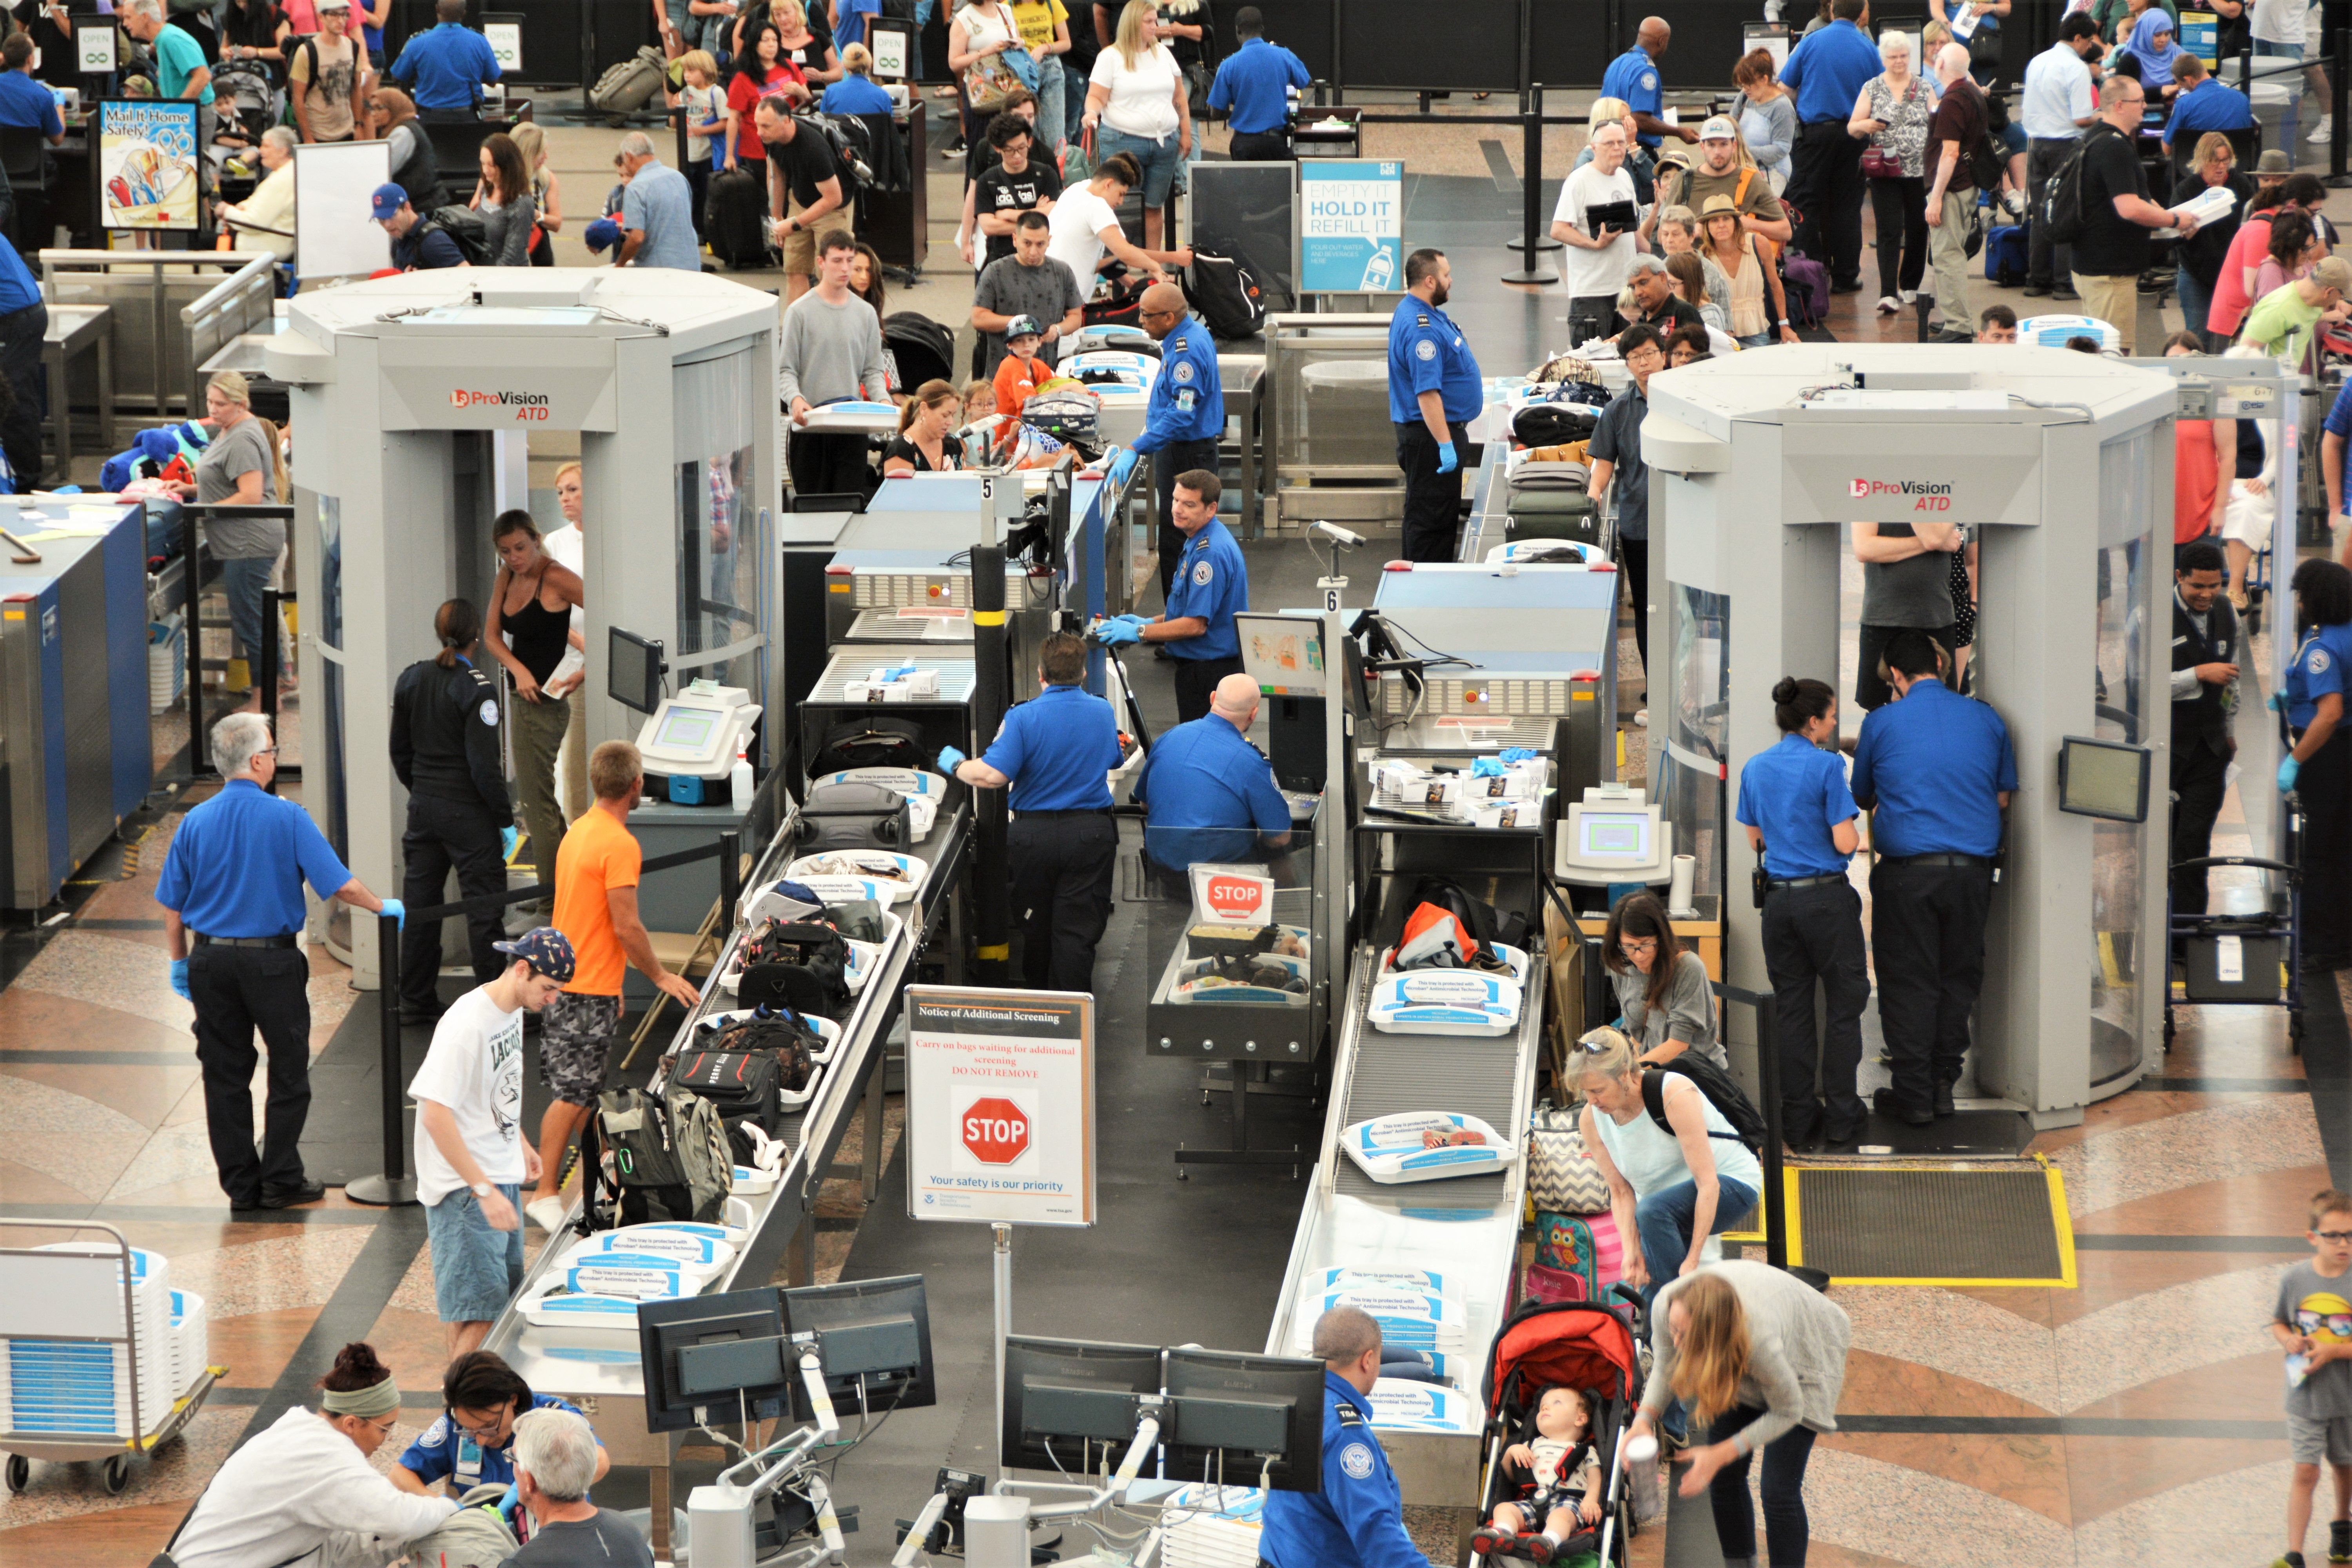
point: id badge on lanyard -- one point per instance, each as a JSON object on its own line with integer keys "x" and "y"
{"x": 469, "y": 1463}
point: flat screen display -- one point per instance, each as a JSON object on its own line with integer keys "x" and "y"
{"x": 2103, "y": 778}
{"x": 689, "y": 730}
{"x": 1614, "y": 835}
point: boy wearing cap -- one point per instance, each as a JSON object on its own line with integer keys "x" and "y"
{"x": 1720, "y": 172}
{"x": 416, "y": 244}
{"x": 324, "y": 76}
{"x": 471, "y": 1157}
{"x": 1018, "y": 378}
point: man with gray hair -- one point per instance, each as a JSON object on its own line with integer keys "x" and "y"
{"x": 1953, "y": 136}
{"x": 232, "y": 886}
{"x": 1357, "y": 1521}
{"x": 179, "y": 68}
{"x": 554, "y": 1460}
{"x": 656, "y": 211}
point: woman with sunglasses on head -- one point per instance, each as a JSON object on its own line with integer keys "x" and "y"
{"x": 473, "y": 1442}
{"x": 304, "y": 1486}
{"x": 1801, "y": 819}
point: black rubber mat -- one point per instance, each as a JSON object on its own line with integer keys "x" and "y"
{"x": 1975, "y": 1226}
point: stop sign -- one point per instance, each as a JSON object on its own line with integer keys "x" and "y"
{"x": 995, "y": 1130}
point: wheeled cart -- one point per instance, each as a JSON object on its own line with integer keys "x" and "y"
{"x": 2245, "y": 958}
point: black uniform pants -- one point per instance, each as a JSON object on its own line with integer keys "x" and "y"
{"x": 1633, "y": 556}
{"x": 2325, "y": 785}
{"x": 1259, "y": 147}
{"x": 1196, "y": 682}
{"x": 1061, "y": 867}
{"x": 1814, "y": 934}
{"x": 1432, "y": 502}
{"x": 235, "y": 990}
{"x": 1174, "y": 459}
{"x": 2048, "y": 264}
{"x": 443, "y": 834}
{"x": 1928, "y": 923}
{"x": 2200, "y": 778}
{"x": 829, "y": 465}
{"x": 1826, "y": 187}
{"x": 21, "y": 332}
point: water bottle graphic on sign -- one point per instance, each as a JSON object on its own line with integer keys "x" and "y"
{"x": 1381, "y": 269}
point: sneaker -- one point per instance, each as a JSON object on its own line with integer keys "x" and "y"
{"x": 2037, "y": 291}
{"x": 2065, "y": 294}
{"x": 1493, "y": 1540}
{"x": 2339, "y": 1541}
{"x": 1641, "y": 719}
{"x": 547, "y": 1213}
{"x": 2289, "y": 1560}
{"x": 1888, "y": 304}
{"x": 1910, "y": 296}
{"x": 2318, "y": 137}
{"x": 1537, "y": 1549}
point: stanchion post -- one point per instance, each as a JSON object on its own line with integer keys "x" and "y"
{"x": 1767, "y": 1081}
{"x": 200, "y": 761}
{"x": 730, "y": 877}
{"x": 2338, "y": 135}
{"x": 1530, "y": 198}
{"x": 1002, "y": 1261}
{"x": 394, "y": 1187}
{"x": 993, "y": 904}
{"x": 268, "y": 673}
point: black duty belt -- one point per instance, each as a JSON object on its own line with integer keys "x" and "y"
{"x": 1937, "y": 860}
{"x": 204, "y": 940}
{"x": 1049, "y": 815}
{"x": 1806, "y": 881}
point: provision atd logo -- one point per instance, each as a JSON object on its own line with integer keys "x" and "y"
{"x": 526, "y": 405}
{"x": 1926, "y": 495}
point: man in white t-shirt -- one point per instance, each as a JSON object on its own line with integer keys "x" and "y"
{"x": 1085, "y": 223}
{"x": 2281, "y": 28}
{"x": 471, "y": 1156}
{"x": 1595, "y": 263}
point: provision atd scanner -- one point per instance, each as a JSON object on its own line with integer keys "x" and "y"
{"x": 2061, "y": 466}
{"x": 415, "y": 393}
{"x": 696, "y": 735}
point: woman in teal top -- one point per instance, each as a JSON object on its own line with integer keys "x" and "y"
{"x": 2318, "y": 768}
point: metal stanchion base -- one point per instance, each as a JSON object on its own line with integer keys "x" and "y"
{"x": 383, "y": 1191}
{"x": 1531, "y": 275}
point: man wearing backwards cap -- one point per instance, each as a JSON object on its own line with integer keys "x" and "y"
{"x": 471, "y": 1156}
{"x": 1719, "y": 172}
{"x": 416, "y": 244}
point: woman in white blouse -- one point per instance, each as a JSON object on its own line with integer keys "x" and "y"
{"x": 1138, "y": 106}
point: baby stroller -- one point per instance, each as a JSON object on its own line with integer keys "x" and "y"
{"x": 1587, "y": 1345}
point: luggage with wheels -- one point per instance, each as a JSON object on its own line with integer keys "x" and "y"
{"x": 627, "y": 87}
{"x": 2004, "y": 255}
{"x": 853, "y": 817}
{"x": 735, "y": 218}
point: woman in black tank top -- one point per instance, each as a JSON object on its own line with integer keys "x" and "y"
{"x": 527, "y": 630}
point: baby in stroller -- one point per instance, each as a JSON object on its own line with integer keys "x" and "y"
{"x": 1562, "y": 1485}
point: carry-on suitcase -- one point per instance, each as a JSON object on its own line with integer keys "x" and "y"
{"x": 629, "y": 86}
{"x": 735, "y": 218}
{"x": 1549, "y": 500}
{"x": 2005, "y": 255}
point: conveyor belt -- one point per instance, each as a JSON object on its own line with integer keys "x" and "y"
{"x": 1480, "y": 1075}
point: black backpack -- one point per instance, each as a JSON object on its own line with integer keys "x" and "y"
{"x": 870, "y": 742}
{"x": 1479, "y": 918}
{"x": 1722, "y": 1091}
{"x": 744, "y": 1085}
{"x": 803, "y": 965}
{"x": 854, "y": 817}
{"x": 651, "y": 1157}
{"x": 463, "y": 225}
{"x": 851, "y": 145}
{"x": 1551, "y": 424}
{"x": 2061, "y": 199}
{"x": 1226, "y": 295}
{"x": 781, "y": 1033}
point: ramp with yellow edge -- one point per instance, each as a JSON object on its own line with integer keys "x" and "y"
{"x": 1981, "y": 1223}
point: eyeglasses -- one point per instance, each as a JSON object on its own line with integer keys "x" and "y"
{"x": 2339, "y": 1237}
{"x": 267, "y": 751}
{"x": 383, "y": 1427}
{"x": 479, "y": 1429}
{"x": 1639, "y": 945}
{"x": 1157, "y": 315}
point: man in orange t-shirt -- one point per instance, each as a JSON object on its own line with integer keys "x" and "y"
{"x": 596, "y": 910}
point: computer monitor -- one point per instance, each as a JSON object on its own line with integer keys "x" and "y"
{"x": 634, "y": 669}
{"x": 714, "y": 1359}
{"x": 1614, "y": 835}
{"x": 1067, "y": 1400}
{"x": 2103, "y": 778}
{"x": 1247, "y": 1419}
{"x": 874, "y": 1337}
{"x": 1284, "y": 654}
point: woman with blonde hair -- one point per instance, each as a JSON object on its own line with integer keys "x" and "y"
{"x": 242, "y": 467}
{"x": 1758, "y": 1357}
{"x": 546, "y": 194}
{"x": 569, "y": 546}
{"x": 1139, "y": 101}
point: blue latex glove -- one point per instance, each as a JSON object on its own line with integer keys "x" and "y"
{"x": 397, "y": 911}
{"x": 1119, "y": 634}
{"x": 507, "y": 839}
{"x": 951, "y": 760}
{"x": 2278, "y": 703}
{"x": 2288, "y": 769}
{"x": 1133, "y": 620}
{"x": 180, "y": 978}
{"x": 1447, "y": 462}
{"x": 1486, "y": 768}
{"x": 1123, "y": 466}
{"x": 1517, "y": 754}
{"x": 509, "y": 1503}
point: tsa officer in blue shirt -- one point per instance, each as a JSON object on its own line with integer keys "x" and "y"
{"x": 2204, "y": 104}
{"x": 1434, "y": 393}
{"x": 1256, "y": 83}
{"x": 1827, "y": 70}
{"x": 1212, "y": 584}
{"x": 1211, "y": 793}
{"x": 232, "y": 885}
{"x": 1056, "y": 751}
{"x": 2318, "y": 767}
{"x": 1634, "y": 77}
{"x": 1185, "y": 417}
{"x": 1936, "y": 769}
{"x": 1357, "y": 1521}
{"x": 23, "y": 326}
{"x": 447, "y": 66}
{"x": 1801, "y": 817}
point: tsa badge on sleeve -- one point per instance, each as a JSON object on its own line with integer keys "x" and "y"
{"x": 1425, "y": 350}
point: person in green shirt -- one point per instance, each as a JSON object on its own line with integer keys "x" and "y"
{"x": 2281, "y": 321}
{"x": 179, "y": 68}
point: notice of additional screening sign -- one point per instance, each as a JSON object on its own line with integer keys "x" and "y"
{"x": 1351, "y": 230}
{"x": 1001, "y": 1106}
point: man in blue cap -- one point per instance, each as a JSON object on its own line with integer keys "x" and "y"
{"x": 447, "y": 66}
{"x": 1185, "y": 417}
{"x": 416, "y": 242}
{"x": 1211, "y": 582}
{"x": 1258, "y": 83}
{"x": 1434, "y": 393}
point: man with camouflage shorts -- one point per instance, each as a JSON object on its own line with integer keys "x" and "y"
{"x": 596, "y": 870}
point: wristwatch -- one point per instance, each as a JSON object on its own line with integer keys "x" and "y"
{"x": 481, "y": 1189}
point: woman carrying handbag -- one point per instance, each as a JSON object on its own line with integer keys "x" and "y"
{"x": 1892, "y": 113}
{"x": 982, "y": 40}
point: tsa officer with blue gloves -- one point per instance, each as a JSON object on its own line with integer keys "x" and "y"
{"x": 1936, "y": 769}
{"x": 1056, "y": 751}
{"x": 1212, "y": 584}
{"x": 1634, "y": 77}
{"x": 1210, "y": 795}
{"x": 232, "y": 885}
{"x": 2318, "y": 767}
{"x": 1434, "y": 393}
{"x": 1800, "y": 815}
{"x": 1357, "y": 1521}
{"x": 1185, "y": 417}
{"x": 1256, "y": 83}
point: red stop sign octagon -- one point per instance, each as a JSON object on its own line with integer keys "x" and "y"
{"x": 995, "y": 1130}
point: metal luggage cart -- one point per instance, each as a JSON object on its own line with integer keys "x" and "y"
{"x": 2245, "y": 957}
{"x": 52, "y": 1296}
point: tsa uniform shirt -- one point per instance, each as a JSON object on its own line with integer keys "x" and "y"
{"x": 2317, "y": 671}
{"x": 237, "y": 867}
{"x": 1428, "y": 354}
{"x": 448, "y": 1450}
{"x": 1255, "y": 83}
{"x": 1188, "y": 400}
{"x": 1357, "y": 1521}
{"x": 1211, "y": 792}
{"x": 1634, "y": 77}
{"x": 1211, "y": 582}
{"x": 1932, "y": 772}
{"x": 1058, "y": 749}
{"x": 1795, "y": 794}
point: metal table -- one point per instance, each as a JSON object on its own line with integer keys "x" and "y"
{"x": 75, "y": 330}
{"x": 1243, "y": 377}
